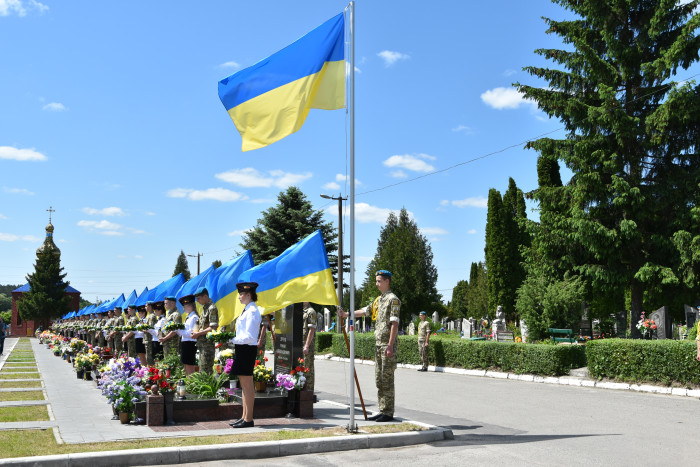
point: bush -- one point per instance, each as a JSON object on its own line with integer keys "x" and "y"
{"x": 655, "y": 361}
{"x": 546, "y": 360}
{"x": 324, "y": 341}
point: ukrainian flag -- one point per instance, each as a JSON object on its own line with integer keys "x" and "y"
{"x": 221, "y": 285}
{"x": 271, "y": 99}
{"x": 300, "y": 274}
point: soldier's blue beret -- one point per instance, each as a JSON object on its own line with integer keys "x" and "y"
{"x": 422, "y": 313}
{"x": 200, "y": 291}
{"x": 383, "y": 272}
{"x": 170, "y": 297}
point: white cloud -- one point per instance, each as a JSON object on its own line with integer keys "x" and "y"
{"x": 398, "y": 174}
{"x": 505, "y": 98}
{"x": 357, "y": 70}
{"x": 415, "y": 163}
{"x": 150, "y": 213}
{"x": 433, "y": 231}
{"x": 54, "y": 107}
{"x": 252, "y": 178}
{"x": 262, "y": 200}
{"x": 102, "y": 225}
{"x": 331, "y": 186}
{"x": 2, "y": 217}
{"x": 238, "y": 233}
{"x": 17, "y": 191}
{"x": 509, "y": 72}
{"x": 444, "y": 202}
{"x": 463, "y": 129}
{"x": 342, "y": 178}
{"x": 5, "y": 237}
{"x": 110, "y": 211}
{"x": 138, "y": 256}
{"x": 8, "y": 152}
{"x": 365, "y": 214}
{"x": 112, "y": 233}
{"x": 475, "y": 202}
{"x": 390, "y": 57}
{"x": 231, "y": 65}
{"x": 471, "y": 231}
{"x": 216, "y": 194}
{"x": 19, "y": 7}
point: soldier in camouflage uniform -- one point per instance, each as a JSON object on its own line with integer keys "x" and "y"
{"x": 118, "y": 321}
{"x": 309, "y": 343}
{"x": 385, "y": 312}
{"x": 151, "y": 320}
{"x": 208, "y": 321}
{"x": 423, "y": 341}
{"x": 129, "y": 338}
{"x": 106, "y": 332}
{"x": 171, "y": 340}
{"x": 112, "y": 333}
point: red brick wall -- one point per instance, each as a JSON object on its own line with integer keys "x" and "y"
{"x": 27, "y": 328}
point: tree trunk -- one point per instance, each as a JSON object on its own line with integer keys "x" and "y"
{"x": 637, "y": 294}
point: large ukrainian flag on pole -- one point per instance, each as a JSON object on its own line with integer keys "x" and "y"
{"x": 271, "y": 99}
{"x": 300, "y": 274}
{"x": 221, "y": 285}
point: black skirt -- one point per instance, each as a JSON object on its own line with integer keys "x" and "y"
{"x": 244, "y": 360}
{"x": 188, "y": 353}
{"x": 140, "y": 348}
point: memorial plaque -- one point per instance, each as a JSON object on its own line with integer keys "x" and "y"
{"x": 621, "y": 324}
{"x": 289, "y": 347}
{"x": 662, "y": 318}
{"x": 691, "y": 316}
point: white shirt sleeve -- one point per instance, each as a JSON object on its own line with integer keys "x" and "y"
{"x": 190, "y": 323}
{"x": 248, "y": 326}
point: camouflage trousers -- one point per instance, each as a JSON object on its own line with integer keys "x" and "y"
{"x": 131, "y": 347}
{"x": 171, "y": 346}
{"x": 309, "y": 363}
{"x": 147, "y": 340}
{"x": 384, "y": 377}
{"x": 102, "y": 340}
{"x": 423, "y": 352}
{"x": 206, "y": 357}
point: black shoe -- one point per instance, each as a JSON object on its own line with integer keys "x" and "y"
{"x": 375, "y": 416}
{"x": 422, "y": 369}
{"x": 115, "y": 417}
{"x": 384, "y": 418}
{"x": 236, "y": 422}
{"x": 245, "y": 424}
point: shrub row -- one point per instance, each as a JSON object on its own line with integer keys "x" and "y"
{"x": 324, "y": 341}
{"x": 636, "y": 361}
{"x": 538, "y": 359}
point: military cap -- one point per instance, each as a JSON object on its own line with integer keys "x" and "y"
{"x": 171, "y": 297}
{"x": 422, "y": 313}
{"x": 158, "y": 305}
{"x": 132, "y": 306}
{"x": 141, "y": 308}
{"x": 246, "y": 286}
{"x": 200, "y": 291}
{"x": 384, "y": 273}
{"x": 187, "y": 299}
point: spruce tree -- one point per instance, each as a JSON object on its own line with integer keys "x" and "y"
{"x": 181, "y": 266}
{"x": 477, "y": 293}
{"x": 289, "y": 221}
{"x": 406, "y": 253}
{"x": 496, "y": 250}
{"x": 47, "y": 297}
{"x": 631, "y": 136}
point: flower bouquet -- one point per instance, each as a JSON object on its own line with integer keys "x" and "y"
{"x": 77, "y": 345}
{"x": 160, "y": 379}
{"x": 646, "y": 326}
{"x": 172, "y": 326}
{"x": 261, "y": 373}
{"x": 143, "y": 327}
{"x": 220, "y": 336}
{"x": 296, "y": 379}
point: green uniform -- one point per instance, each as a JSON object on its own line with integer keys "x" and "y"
{"x": 171, "y": 346}
{"x": 151, "y": 320}
{"x": 131, "y": 342}
{"x": 309, "y": 323}
{"x": 118, "y": 344}
{"x": 423, "y": 331}
{"x": 388, "y": 307}
{"x": 209, "y": 318}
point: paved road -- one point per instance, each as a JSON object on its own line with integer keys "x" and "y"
{"x": 506, "y": 422}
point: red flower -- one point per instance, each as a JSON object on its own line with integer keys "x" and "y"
{"x": 298, "y": 368}
{"x": 265, "y": 358}
{"x": 292, "y": 372}
{"x": 257, "y": 362}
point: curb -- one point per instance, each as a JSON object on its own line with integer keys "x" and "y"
{"x": 561, "y": 380}
{"x": 215, "y": 452}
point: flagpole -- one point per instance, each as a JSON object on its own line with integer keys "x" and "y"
{"x": 351, "y": 116}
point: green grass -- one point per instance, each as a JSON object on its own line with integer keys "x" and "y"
{"x": 20, "y": 384}
{"x": 31, "y": 413}
{"x": 24, "y": 443}
{"x": 14, "y": 370}
{"x": 22, "y": 396}
{"x": 4, "y": 375}
{"x": 10, "y": 361}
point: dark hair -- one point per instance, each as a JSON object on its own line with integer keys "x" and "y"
{"x": 254, "y": 296}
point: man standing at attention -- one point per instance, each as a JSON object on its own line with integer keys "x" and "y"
{"x": 209, "y": 321}
{"x": 309, "y": 343}
{"x": 385, "y": 313}
{"x": 423, "y": 339}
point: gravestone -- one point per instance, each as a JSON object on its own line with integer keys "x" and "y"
{"x": 289, "y": 336}
{"x": 596, "y": 328}
{"x": 499, "y": 324}
{"x": 621, "y": 323}
{"x": 691, "y": 316}
{"x": 320, "y": 320}
{"x": 523, "y": 330}
{"x": 585, "y": 327}
{"x": 411, "y": 329}
{"x": 326, "y": 319}
{"x": 436, "y": 317}
{"x": 662, "y": 319}
{"x": 467, "y": 329}
{"x": 451, "y": 325}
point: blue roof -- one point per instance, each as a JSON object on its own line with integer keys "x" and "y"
{"x": 25, "y": 288}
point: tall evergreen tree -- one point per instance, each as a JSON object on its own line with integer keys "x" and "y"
{"x": 285, "y": 224}
{"x": 181, "y": 266}
{"x": 404, "y": 251}
{"x": 47, "y": 297}
{"x": 458, "y": 304}
{"x": 631, "y": 145}
{"x": 477, "y": 293}
{"x": 496, "y": 250}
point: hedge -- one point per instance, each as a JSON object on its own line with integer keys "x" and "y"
{"x": 324, "y": 340}
{"x": 538, "y": 359}
{"x": 632, "y": 360}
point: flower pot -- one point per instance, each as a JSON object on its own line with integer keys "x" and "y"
{"x": 260, "y": 386}
{"x": 80, "y": 374}
{"x": 124, "y": 417}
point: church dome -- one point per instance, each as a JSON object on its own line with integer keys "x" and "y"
{"x": 48, "y": 244}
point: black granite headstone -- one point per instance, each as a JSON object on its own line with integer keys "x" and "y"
{"x": 288, "y": 337}
{"x": 662, "y": 319}
{"x": 691, "y": 316}
{"x": 621, "y": 323}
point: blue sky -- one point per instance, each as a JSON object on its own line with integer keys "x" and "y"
{"x": 109, "y": 113}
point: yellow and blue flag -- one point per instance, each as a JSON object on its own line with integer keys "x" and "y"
{"x": 271, "y": 99}
{"x": 221, "y": 285}
{"x": 300, "y": 274}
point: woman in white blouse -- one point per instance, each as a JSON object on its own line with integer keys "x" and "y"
{"x": 188, "y": 349}
{"x": 246, "y": 349}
